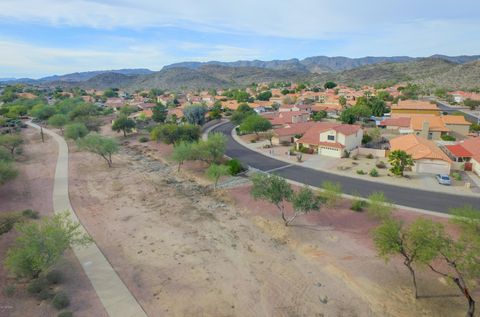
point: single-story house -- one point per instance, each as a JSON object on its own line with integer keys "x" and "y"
{"x": 331, "y": 139}
{"x": 457, "y": 124}
{"x": 399, "y": 123}
{"x": 428, "y": 126}
{"x": 466, "y": 151}
{"x": 289, "y": 132}
{"x": 428, "y": 158}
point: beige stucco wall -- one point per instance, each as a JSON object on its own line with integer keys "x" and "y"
{"x": 462, "y": 129}
{"x": 476, "y": 166}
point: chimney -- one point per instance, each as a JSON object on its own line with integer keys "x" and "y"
{"x": 425, "y": 129}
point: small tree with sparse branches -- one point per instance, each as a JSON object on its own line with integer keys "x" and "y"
{"x": 215, "y": 171}
{"x": 98, "y": 144}
{"x": 273, "y": 189}
{"x": 304, "y": 201}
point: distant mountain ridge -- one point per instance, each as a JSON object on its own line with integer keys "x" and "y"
{"x": 453, "y": 72}
{"x": 322, "y": 64}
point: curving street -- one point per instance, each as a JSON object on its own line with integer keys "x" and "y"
{"x": 422, "y": 199}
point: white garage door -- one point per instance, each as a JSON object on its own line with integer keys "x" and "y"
{"x": 330, "y": 152}
{"x": 432, "y": 167}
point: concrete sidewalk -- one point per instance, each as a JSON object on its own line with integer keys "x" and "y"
{"x": 114, "y": 295}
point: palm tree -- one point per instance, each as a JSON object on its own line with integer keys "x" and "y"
{"x": 399, "y": 160}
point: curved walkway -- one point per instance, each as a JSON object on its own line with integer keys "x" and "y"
{"x": 404, "y": 196}
{"x": 114, "y": 295}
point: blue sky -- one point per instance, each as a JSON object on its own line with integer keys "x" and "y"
{"x": 44, "y": 37}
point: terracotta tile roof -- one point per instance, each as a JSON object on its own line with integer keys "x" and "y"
{"x": 312, "y": 135}
{"x": 458, "y": 151}
{"x": 347, "y": 129}
{"x": 403, "y": 122}
{"x": 415, "y": 105}
{"x": 472, "y": 145}
{"x": 294, "y": 128}
{"x": 435, "y": 123}
{"x": 418, "y": 148}
{"x": 331, "y": 144}
{"x": 286, "y": 117}
{"x": 449, "y": 119}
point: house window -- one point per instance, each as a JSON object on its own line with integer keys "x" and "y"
{"x": 331, "y": 138}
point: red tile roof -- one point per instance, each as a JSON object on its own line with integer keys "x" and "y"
{"x": 312, "y": 136}
{"x": 458, "y": 150}
{"x": 403, "y": 122}
{"x": 294, "y": 128}
{"x": 331, "y": 144}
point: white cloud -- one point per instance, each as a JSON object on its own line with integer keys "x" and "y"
{"x": 20, "y": 59}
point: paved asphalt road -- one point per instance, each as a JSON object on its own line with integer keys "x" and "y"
{"x": 447, "y": 108}
{"x": 422, "y": 199}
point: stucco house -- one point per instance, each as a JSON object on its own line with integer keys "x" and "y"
{"x": 428, "y": 158}
{"x": 467, "y": 151}
{"x": 331, "y": 139}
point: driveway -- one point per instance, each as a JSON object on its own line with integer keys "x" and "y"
{"x": 422, "y": 199}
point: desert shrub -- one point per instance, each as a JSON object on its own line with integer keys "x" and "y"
{"x": 143, "y": 139}
{"x": 44, "y": 294}
{"x": 5, "y": 155}
{"x": 54, "y": 277}
{"x": 253, "y": 141}
{"x": 9, "y": 290}
{"x": 29, "y": 213}
{"x": 37, "y": 285}
{"x": 18, "y": 151}
{"x": 331, "y": 192}
{"x": 379, "y": 207}
{"x": 235, "y": 167}
{"x": 66, "y": 313}
{"x": 355, "y": 157}
{"x": 358, "y": 204}
{"x": 381, "y": 164}
{"x": 60, "y": 301}
{"x": 457, "y": 176}
{"x": 361, "y": 172}
{"x": 7, "y": 221}
{"x": 374, "y": 172}
{"x": 346, "y": 154}
{"x": 369, "y": 156}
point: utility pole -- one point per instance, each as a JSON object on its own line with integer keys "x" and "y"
{"x": 41, "y": 133}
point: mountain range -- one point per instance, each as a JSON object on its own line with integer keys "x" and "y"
{"x": 453, "y": 72}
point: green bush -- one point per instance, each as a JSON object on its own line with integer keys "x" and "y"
{"x": 332, "y": 193}
{"x": 37, "y": 285}
{"x": 374, "y": 172}
{"x": 66, "y": 313}
{"x": 235, "y": 167}
{"x": 75, "y": 131}
{"x": 7, "y": 221}
{"x": 447, "y": 137}
{"x": 9, "y": 290}
{"x": 358, "y": 204}
{"x": 5, "y": 155}
{"x": 143, "y": 139}
{"x": 369, "y": 156}
{"x": 379, "y": 207}
{"x": 60, "y": 301}
{"x": 29, "y": 213}
{"x": 54, "y": 277}
{"x": 361, "y": 172}
{"x": 457, "y": 176}
{"x": 381, "y": 164}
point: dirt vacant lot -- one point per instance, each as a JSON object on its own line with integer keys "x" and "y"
{"x": 185, "y": 251}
